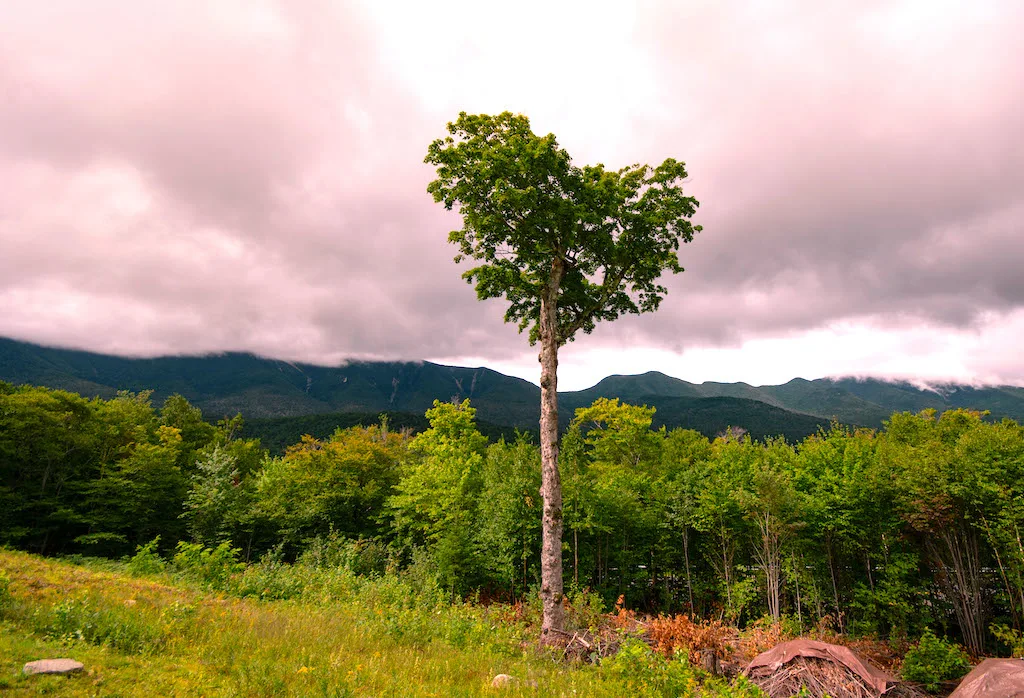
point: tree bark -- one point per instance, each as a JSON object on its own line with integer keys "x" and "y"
{"x": 551, "y": 485}
{"x": 958, "y": 555}
{"x": 575, "y": 556}
{"x": 686, "y": 558}
{"x": 835, "y": 588}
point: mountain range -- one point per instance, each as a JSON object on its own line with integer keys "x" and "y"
{"x": 264, "y": 389}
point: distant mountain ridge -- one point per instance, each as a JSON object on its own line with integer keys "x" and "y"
{"x": 261, "y": 388}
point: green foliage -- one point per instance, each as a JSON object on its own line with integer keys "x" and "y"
{"x": 873, "y": 533}
{"x": 527, "y": 210}
{"x": 80, "y": 620}
{"x": 270, "y": 578}
{"x": 934, "y": 660}
{"x": 210, "y": 566}
{"x": 508, "y": 531}
{"x": 648, "y": 673}
{"x": 216, "y": 499}
{"x": 5, "y": 593}
{"x": 338, "y": 485}
{"x": 585, "y": 609}
{"x": 1013, "y": 639}
{"x": 147, "y": 560}
{"x": 365, "y": 557}
{"x": 177, "y": 413}
{"x": 619, "y": 433}
{"x": 894, "y": 602}
{"x": 435, "y": 502}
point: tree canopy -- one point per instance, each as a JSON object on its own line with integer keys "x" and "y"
{"x": 526, "y": 208}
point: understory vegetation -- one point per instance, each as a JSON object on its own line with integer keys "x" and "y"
{"x": 314, "y": 627}
{"x": 893, "y": 534}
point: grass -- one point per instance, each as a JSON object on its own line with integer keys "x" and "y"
{"x": 341, "y": 635}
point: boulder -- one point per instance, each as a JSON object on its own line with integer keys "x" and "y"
{"x": 502, "y": 680}
{"x": 53, "y": 666}
{"x": 993, "y": 678}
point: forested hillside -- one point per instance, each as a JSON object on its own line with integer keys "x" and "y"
{"x": 709, "y": 416}
{"x": 258, "y": 388}
{"x": 887, "y": 532}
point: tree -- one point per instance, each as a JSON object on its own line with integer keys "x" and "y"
{"x": 566, "y": 246}
{"x": 943, "y": 495}
{"x": 684, "y": 460}
{"x": 335, "y": 485}
{"x": 507, "y": 518}
{"x": 434, "y": 504}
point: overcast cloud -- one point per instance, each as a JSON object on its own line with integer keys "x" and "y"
{"x": 192, "y": 177}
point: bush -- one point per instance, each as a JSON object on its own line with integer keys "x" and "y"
{"x": 678, "y": 633}
{"x": 933, "y": 660}
{"x": 5, "y": 593}
{"x": 1014, "y": 639}
{"x": 647, "y": 673}
{"x": 585, "y": 609}
{"x": 367, "y": 557}
{"x": 270, "y": 578}
{"x": 146, "y": 560}
{"x": 211, "y": 566}
{"x": 80, "y": 620}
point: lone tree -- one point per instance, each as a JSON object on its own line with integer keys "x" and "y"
{"x": 566, "y": 246}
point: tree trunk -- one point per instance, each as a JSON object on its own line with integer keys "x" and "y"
{"x": 575, "y": 556}
{"x": 686, "y": 558}
{"x": 709, "y": 662}
{"x": 958, "y": 555}
{"x": 835, "y": 588}
{"x": 551, "y": 486}
{"x": 796, "y": 582}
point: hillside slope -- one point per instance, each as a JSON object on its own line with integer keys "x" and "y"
{"x": 262, "y": 388}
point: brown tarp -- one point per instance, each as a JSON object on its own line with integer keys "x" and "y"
{"x": 769, "y": 662}
{"x": 993, "y": 678}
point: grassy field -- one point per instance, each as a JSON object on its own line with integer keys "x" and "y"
{"x": 164, "y": 634}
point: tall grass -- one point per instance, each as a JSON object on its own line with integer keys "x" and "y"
{"x": 271, "y": 629}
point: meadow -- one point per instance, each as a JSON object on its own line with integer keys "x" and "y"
{"x": 146, "y": 628}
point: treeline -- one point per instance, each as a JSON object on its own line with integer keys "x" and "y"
{"x": 276, "y": 434}
{"x": 889, "y": 532}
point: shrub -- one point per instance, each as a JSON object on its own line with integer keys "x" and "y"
{"x": 270, "y": 578}
{"x": 123, "y": 629}
{"x": 5, "y": 593}
{"x": 146, "y": 560}
{"x": 933, "y": 660}
{"x": 366, "y": 557}
{"x": 1014, "y": 639}
{"x": 211, "y": 566}
{"x": 675, "y": 633}
{"x": 583, "y": 609}
{"x": 647, "y": 673}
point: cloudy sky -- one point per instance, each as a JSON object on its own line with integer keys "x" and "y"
{"x": 190, "y": 177}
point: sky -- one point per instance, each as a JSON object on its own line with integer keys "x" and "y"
{"x": 198, "y": 177}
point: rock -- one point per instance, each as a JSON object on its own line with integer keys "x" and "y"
{"x": 502, "y": 680}
{"x": 53, "y": 666}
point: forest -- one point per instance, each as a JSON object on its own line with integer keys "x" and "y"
{"x": 873, "y": 532}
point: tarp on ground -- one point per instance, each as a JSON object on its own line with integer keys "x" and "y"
{"x": 993, "y": 678}
{"x": 771, "y": 661}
